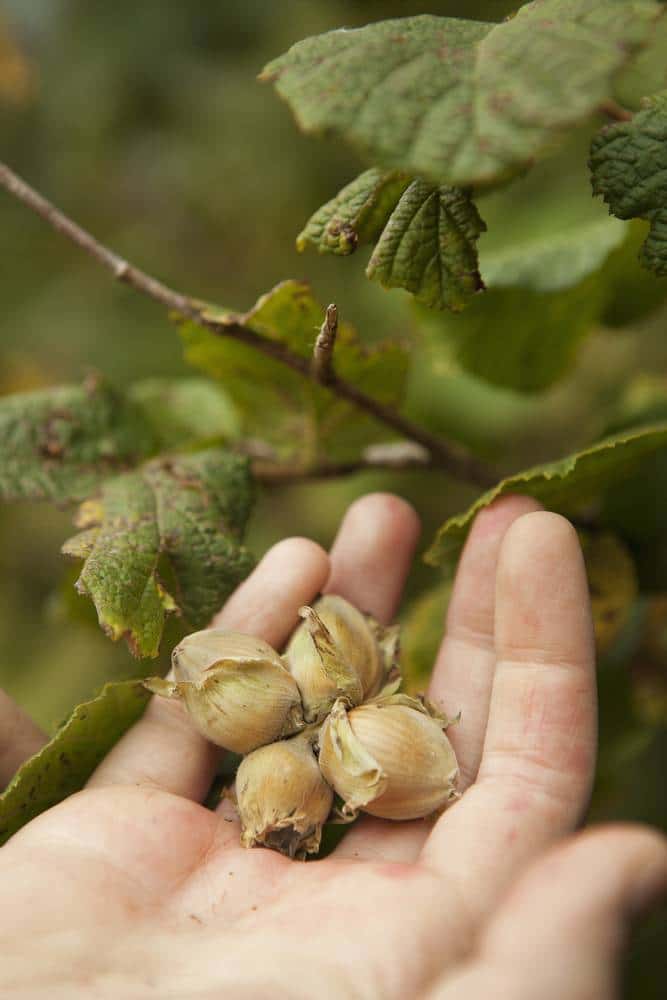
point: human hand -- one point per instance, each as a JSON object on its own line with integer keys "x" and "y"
{"x": 132, "y": 889}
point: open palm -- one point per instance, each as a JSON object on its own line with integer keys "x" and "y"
{"x": 133, "y": 889}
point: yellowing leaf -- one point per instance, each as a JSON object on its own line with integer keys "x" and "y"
{"x": 296, "y": 415}
{"x": 188, "y": 509}
{"x": 18, "y": 76}
{"x": 612, "y": 583}
{"x": 356, "y": 215}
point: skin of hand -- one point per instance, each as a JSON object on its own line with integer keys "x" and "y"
{"x": 133, "y": 889}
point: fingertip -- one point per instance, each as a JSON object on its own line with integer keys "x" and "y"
{"x": 386, "y": 513}
{"x": 576, "y": 901}
{"x": 372, "y": 553}
{"x": 640, "y": 851}
{"x": 541, "y": 534}
{"x": 502, "y": 512}
{"x": 291, "y": 573}
{"x": 311, "y": 559}
{"x": 636, "y": 854}
{"x": 542, "y": 597}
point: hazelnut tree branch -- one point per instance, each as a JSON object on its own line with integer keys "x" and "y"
{"x": 448, "y": 456}
{"x": 396, "y": 456}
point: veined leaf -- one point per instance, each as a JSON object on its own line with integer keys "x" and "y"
{"x": 183, "y": 410}
{"x": 565, "y": 485}
{"x": 357, "y": 214}
{"x": 297, "y": 416}
{"x": 429, "y": 246}
{"x": 202, "y": 504}
{"x": 463, "y": 102}
{"x": 64, "y": 765}
{"x": 524, "y": 340}
{"x": 119, "y": 569}
{"x": 59, "y": 444}
{"x": 612, "y": 583}
{"x": 190, "y": 509}
{"x": 629, "y": 169}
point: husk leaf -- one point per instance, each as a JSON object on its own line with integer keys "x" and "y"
{"x": 345, "y": 763}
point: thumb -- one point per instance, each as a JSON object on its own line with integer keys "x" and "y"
{"x": 562, "y": 928}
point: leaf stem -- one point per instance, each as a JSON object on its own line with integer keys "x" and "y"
{"x": 447, "y": 455}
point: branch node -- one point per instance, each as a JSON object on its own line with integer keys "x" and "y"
{"x": 322, "y": 364}
{"x": 120, "y": 269}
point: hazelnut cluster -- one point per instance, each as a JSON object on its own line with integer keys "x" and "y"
{"x": 325, "y": 717}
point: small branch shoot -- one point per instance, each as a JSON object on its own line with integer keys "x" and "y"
{"x": 322, "y": 366}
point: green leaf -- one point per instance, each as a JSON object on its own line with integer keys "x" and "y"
{"x": 463, "y": 102}
{"x": 646, "y": 73}
{"x": 565, "y": 485}
{"x": 281, "y": 406}
{"x": 203, "y": 501}
{"x": 556, "y": 266}
{"x": 185, "y": 410}
{"x": 629, "y": 169}
{"x": 357, "y": 214}
{"x": 544, "y": 231}
{"x": 429, "y": 247}
{"x": 632, "y": 293}
{"x": 119, "y": 571}
{"x": 518, "y": 338}
{"x": 64, "y": 765}
{"x": 189, "y": 509}
{"x": 59, "y": 444}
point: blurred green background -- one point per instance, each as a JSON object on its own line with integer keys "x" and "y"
{"x": 146, "y": 124}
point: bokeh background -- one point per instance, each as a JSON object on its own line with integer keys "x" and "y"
{"x": 146, "y": 124}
